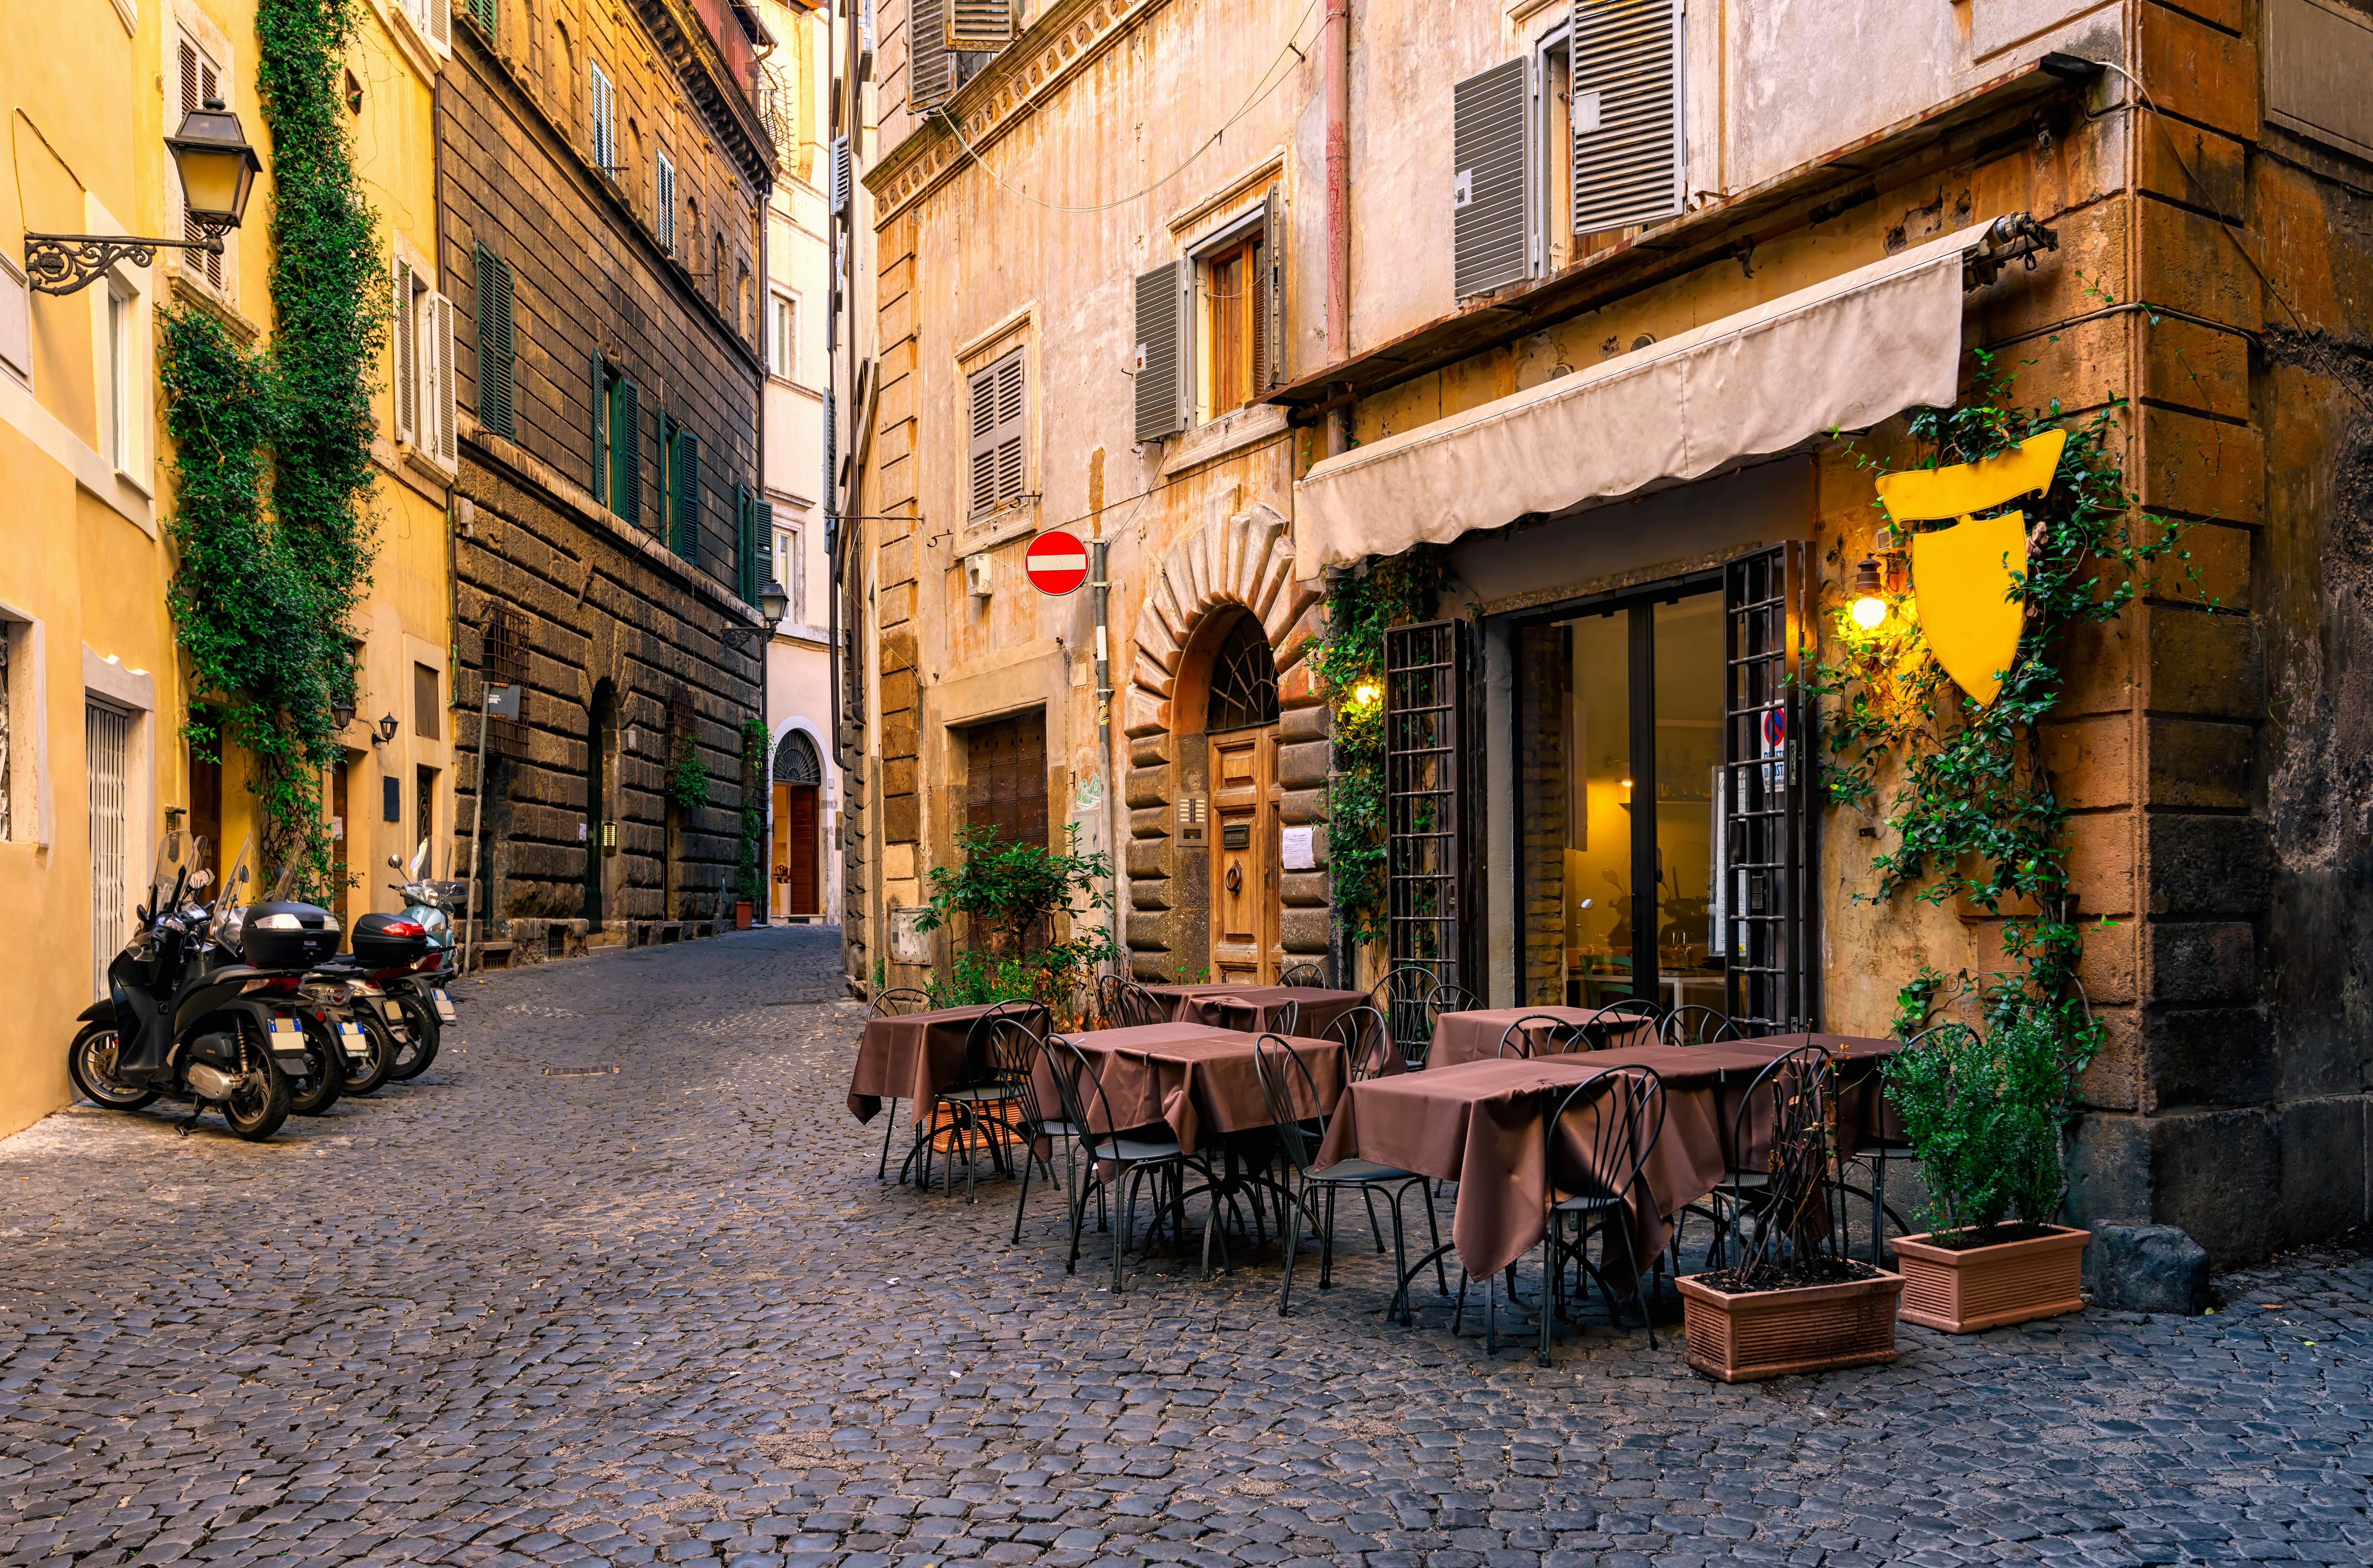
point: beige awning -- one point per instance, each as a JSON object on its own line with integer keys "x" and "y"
{"x": 1843, "y": 353}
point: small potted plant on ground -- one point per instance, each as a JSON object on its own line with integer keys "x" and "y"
{"x": 1984, "y": 1115}
{"x": 1794, "y": 1302}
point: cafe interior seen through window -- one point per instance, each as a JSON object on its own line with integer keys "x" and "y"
{"x": 1620, "y": 730}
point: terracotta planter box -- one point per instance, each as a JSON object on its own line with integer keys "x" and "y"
{"x": 1985, "y": 1287}
{"x": 1773, "y": 1333}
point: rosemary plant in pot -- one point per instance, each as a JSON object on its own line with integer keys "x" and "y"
{"x": 1792, "y": 1301}
{"x": 1985, "y": 1113}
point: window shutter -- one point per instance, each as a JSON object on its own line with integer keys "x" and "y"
{"x": 199, "y": 79}
{"x": 627, "y": 439}
{"x": 1770, "y": 861}
{"x": 598, "y": 103}
{"x": 685, "y": 471}
{"x": 996, "y": 456}
{"x": 756, "y": 550}
{"x": 1627, "y": 112}
{"x": 424, "y": 373}
{"x": 1162, "y": 350}
{"x": 441, "y": 22}
{"x": 406, "y": 375}
{"x": 600, "y": 401}
{"x": 841, "y": 173}
{"x": 1272, "y": 371}
{"x": 741, "y": 542}
{"x": 485, "y": 13}
{"x": 441, "y": 309}
{"x": 666, "y": 201}
{"x": 495, "y": 352}
{"x": 931, "y": 68}
{"x": 1488, "y": 244}
{"x": 981, "y": 24}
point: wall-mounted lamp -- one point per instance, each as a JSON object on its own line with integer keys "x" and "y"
{"x": 218, "y": 169}
{"x": 1367, "y": 695}
{"x": 341, "y": 715}
{"x": 773, "y": 604}
{"x": 1869, "y": 607}
{"x": 384, "y": 730}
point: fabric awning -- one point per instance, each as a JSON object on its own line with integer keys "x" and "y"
{"x": 1845, "y": 352}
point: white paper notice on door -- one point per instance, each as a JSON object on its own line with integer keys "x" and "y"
{"x": 1298, "y": 856}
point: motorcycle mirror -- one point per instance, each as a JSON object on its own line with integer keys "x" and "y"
{"x": 395, "y": 863}
{"x": 200, "y": 878}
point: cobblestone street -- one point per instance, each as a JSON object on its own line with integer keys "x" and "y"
{"x": 526, "y": 1309}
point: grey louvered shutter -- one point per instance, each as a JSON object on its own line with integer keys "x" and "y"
{"x": 840, "y": 177}
{"x": 441, "y": 22}
{"x": 981, "y": 24}
{"x": 1627, "y": 112}
{"x": 441, "y": 388}
{"x": 406, "y": 375}
{"x": 1491, "y": 240}
{"x": 930, "y": 66}
{"x": 685, "y": 471}
{"x": 600, "y": 401}
{"x": 1163, "y": 326}
{"x": 995, "y": 455}
{"x": 1272, "y": 299}
{"x": 495, "y": 350}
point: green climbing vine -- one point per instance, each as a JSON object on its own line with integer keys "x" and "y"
{"x": 271, "y": 458}
{"x": 1350, "y": 663}
{"x": 688, "y": 782}
{"x": 751, "y": 873}
{"x": 1968, "y": 808}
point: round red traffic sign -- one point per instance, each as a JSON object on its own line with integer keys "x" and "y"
{"x": 1055, "y": 562}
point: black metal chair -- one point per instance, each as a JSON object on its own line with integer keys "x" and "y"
{"x": 1037, "y": 1125}
{"x": 1400, "y": 998}
{"x": 1697, "y": 1025}
{"x": 1557, "y": 1037}
{"x": 1304, "y": 974}
{"x": 891, "y": 1003}
{"x": 1123, "y": 1003}
{"x": 997, "y": 1074}
{"x": 1130, "y": 1155}
{"x": 1285, "y": 1018}
{"x": 1280, "y": 1068}
{"x": 1447, "y": 998}
{"x": 1366, "y": 1039}
{"x": 1597, "y": 1193}
{"x": 1624, "y": 1012}
{"x": 1794, "y": 1092}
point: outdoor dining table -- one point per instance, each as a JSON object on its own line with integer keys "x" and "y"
{"x": 1475, "y": 1035}
{"x": 1197, "y": 1080}
{"x": 1255, "y": 1007}
{"x": 1479, "y": 1124}
{"x": 910, "y": 1056}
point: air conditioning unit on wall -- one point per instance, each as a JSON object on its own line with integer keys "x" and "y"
{"x": 980, "y": 575}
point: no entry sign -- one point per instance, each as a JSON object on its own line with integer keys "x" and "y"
{"x": 1055, "y": 562}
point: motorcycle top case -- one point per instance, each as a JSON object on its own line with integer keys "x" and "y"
{"x": 379, "y": 946}
{"x": 313, "y": 939}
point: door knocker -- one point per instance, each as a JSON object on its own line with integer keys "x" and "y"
{"x": 1235, "y": 874}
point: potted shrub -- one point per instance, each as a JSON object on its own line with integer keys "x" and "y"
{"x": 1984, "y": 1115}
{"x": 1795, "y": 1302}
{"x": 1012, "y": 897}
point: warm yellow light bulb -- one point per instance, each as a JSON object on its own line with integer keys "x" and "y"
{"x": 1365, "y": 693}
{"x": 1868, "y": 611}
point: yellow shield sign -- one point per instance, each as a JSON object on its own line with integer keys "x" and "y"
{"x": 1962, "y": 574}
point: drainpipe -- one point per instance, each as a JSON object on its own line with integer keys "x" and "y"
{"x": 1341, "y": 955}
{"x": 1100, "y": 585}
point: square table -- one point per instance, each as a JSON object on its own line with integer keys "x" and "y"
{"x": 1253, "y": 1007}
{"x": 1475, "y": 1035}
{"x": 910, "y": 1056}
{"x": 1196, "y": 1080}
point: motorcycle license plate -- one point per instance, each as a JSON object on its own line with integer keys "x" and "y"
{"x": 444, "y": 1006}
{"x": 351, "y": 1037}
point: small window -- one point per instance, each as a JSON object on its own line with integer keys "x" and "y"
{"x": 120, "y": 427}
{"x": 426, "y": 711}
{"x": 996, "y": 410}
{"x": 790, "y": 571}
{"x": 1231, "y": 321}
{"x": 782, "y": 340}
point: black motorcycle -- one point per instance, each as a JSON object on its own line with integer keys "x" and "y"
{"x": 184, "y": 1019}
{"x": 419, "y": 1004}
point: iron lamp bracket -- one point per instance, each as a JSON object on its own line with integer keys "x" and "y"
{"x": 64, "y": 263}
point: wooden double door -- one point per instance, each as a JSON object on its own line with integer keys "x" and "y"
{"x": 1245, "y": 909}
{"x": 796, "y": 838}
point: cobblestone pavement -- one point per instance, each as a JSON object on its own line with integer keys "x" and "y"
{"x": 528, "y": 1310}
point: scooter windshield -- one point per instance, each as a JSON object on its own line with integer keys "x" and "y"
{"x": 237, "y": 874}
{"x": 180, "y": 856}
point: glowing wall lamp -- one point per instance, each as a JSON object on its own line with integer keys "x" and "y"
{"x": 1869, "y": 609}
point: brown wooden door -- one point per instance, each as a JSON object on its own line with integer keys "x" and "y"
{"x": 779, "y": 868}
{"x": 803, "y": 857}
{"x": 1243, "y": 856}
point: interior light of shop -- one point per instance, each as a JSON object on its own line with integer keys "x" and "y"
{"x": 1869, "y": 609}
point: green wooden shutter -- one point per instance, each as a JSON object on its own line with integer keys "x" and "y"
{"x": 626, "y": 451}
{"x": 741, "y": 542}
{"x": 686, "y": 465}
{"x": 761, "y": 551}
{"x": 496, "y": 351}
{"x": 599, "y": 400}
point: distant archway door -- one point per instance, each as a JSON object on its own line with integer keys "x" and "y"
{"x": 1240, "y": 727}
{"x": 798, "y": 798}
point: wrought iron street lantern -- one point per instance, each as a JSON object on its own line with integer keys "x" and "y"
{"x": 773, "y": 604}
{"x": 217, "y": 171}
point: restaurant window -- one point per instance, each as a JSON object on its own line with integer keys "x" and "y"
{"x": 1662, "y": 815}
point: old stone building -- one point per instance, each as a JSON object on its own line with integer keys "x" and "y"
{"x": 605, "y": 173}
{"x": 1611, "y": 300}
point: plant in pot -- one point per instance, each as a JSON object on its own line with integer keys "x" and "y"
{"x": 1010, "y": 896}
{"x": 1985, "y": 1114}
{"x": 1794, "y": 1301}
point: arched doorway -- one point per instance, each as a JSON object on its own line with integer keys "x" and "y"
{"x": 799, "y": 792}
{"x": 600, "y": 735}
{"x": 1239, "y": 713}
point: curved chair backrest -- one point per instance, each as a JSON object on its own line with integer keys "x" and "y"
{"x": 1624, "y": 1012}
{"x": 1793, "y": 1093}
{"x": 1280, "y": 1069}
{"x": 897, "y": 1001}
{"x": 1304, "y": 974}
{"x": 1079, "y": 1089}
{"x": 1447, "y": 998}
{"x": 1123, "y": 1003}
{"x": 1614, "y": 1145}
{"x": 983, "y": 1065}
{"x": 1367, "y": 1042}
{"x": 1285, "y": 1018}
{"x": 1540, "y": 1034}
{"x": 1400, "y": 998}
{"x": 1697, "y": 1025}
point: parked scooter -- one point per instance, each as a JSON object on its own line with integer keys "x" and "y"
{"x": 177, "y": 1023}
{"x": 419, "y": 1004}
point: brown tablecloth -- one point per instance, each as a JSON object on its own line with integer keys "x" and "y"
{"x": 1255, "y": 1007}
{"x": 1475, "y": 1035}
{"x": 1479, "y": 1124}
{"x": 1194, "y": 1079}
{"x": 909, "y": 1056}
